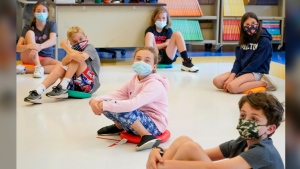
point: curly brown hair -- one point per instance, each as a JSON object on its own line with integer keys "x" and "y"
{"x": 268, "y": 103}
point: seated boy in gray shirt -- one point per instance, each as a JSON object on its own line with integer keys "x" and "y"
{"x": 260, "y": 115}
{"x": 79, "y": 71}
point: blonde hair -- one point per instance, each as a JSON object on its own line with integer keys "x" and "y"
{"x": 156, "y": 12}
{"x": 73, "y": 30}
{"x": 152, "y": 50}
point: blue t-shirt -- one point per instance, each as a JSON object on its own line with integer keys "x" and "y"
{"x": 42, "y": 36}
{"x": 261, "y": 155}
{"x": 160, "y": 37}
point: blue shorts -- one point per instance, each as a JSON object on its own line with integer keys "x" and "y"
{"x": 126, "y": 119}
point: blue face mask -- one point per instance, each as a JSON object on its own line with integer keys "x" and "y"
{"x": 161, "y": 24}
{"x": 142, "y": 68}
{"x": 41, "y": 16}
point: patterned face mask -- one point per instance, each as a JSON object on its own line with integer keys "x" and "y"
{"x": 80, "y": 46}
{"x": 251, "y": 30}
{"x": 248, "y": 129}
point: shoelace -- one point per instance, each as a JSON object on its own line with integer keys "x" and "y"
{"x": 56, "y": 89}
{"x": 33, "y": 93}
{"x": 37, "y": 70}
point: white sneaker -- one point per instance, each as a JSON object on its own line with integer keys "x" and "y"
{"x": 38, "y": 72}
{"x": 271, "y": 86}
{"x": 20, "y": 69}
{"x": 188, "y": 66}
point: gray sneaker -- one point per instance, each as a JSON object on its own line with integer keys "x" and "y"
{"x": 33, "y": 97}
{"x": 271, "y": 86}
{"x": 58, "y": 92}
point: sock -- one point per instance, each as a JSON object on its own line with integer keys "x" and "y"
{"x": 184, "y": 55}
{"x": 64, "y": 83}
{"x": 40, "y": 89}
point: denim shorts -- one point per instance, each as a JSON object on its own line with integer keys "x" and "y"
{"x": 126, "y": 119}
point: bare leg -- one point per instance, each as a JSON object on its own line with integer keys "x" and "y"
{"x": 48, "y": 64}
{"x": 219, "y": 80}
{"x": 58, "y": 72}
{"x": 118, "y": 125}
{"x": 243, "y": 83}
{"x": 171, "y": 151}
{"x": 150, "y": 41}
{"x": 30, "y": 39}
{"x": 184, "y": 148}
{"x": 139, "y": 128}
{"x": 191, "y": 151}
{"x": 176, "y": 42}
{"x": 75, "y": 67}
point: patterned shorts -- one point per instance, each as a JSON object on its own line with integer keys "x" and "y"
{"x": 126, "y": 119}
{"x": 84, "y": 82}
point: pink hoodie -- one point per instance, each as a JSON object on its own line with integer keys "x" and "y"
{"x": 148, "y": 95}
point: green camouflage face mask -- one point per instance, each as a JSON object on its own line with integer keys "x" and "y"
{"x": 248, "y": 129}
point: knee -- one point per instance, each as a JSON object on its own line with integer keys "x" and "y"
{"x": 183, "y": 139}
{"x": 232, "y": 88}
{"x": 149, "y": 35}
{"x": 29, "y": 33}
{"x": 217, "y": 83}
{"x": 177, "y": 34}
{"x": 190, "y": 146}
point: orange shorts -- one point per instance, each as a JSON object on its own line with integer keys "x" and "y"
{"x": 32, "y": 65}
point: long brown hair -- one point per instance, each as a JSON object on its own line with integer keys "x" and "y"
{"x": 33, "y": 20}
{"x": 243, "y": 34}
{"x": 156, "y": 12}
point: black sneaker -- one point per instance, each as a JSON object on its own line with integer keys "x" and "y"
{"x": 33, "y": 97}
{"x": 147, "y": 142}
{"x": 58, "y": 92}
{"x": 112, "y": 129}
{"x": 187, "y": 65}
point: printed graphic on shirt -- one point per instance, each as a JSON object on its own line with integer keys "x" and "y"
{"x": 41, "y": 38}
{"x": 250, "y": 46}
{"x": 160, "y": 39}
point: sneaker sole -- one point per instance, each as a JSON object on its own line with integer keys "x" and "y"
{"x": 33, "y": 101}
{"x": 148, "y": 145}
{"x": 109, "y": 134}
{"x": 37, "y": 76}
{"x": 64, "y": 96}
{"x": 269, "y": 81}
{"x": 184, "y": 68}
{"x": 189, "y": 70}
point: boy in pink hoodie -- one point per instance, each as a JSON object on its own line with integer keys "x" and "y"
{"x": 141, "y": 105}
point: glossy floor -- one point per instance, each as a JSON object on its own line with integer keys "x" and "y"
{"x": 61, "y": 134}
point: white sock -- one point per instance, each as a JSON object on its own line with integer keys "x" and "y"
{"x": 64, "y": 83}
{"x": 40, "y": 89}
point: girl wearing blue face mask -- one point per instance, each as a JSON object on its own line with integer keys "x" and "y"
{"x": 141, "y": 105}
{"x": 161, "y": 37}
{"x": 36, "y": 43}
{"x": 253, "y": 57}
